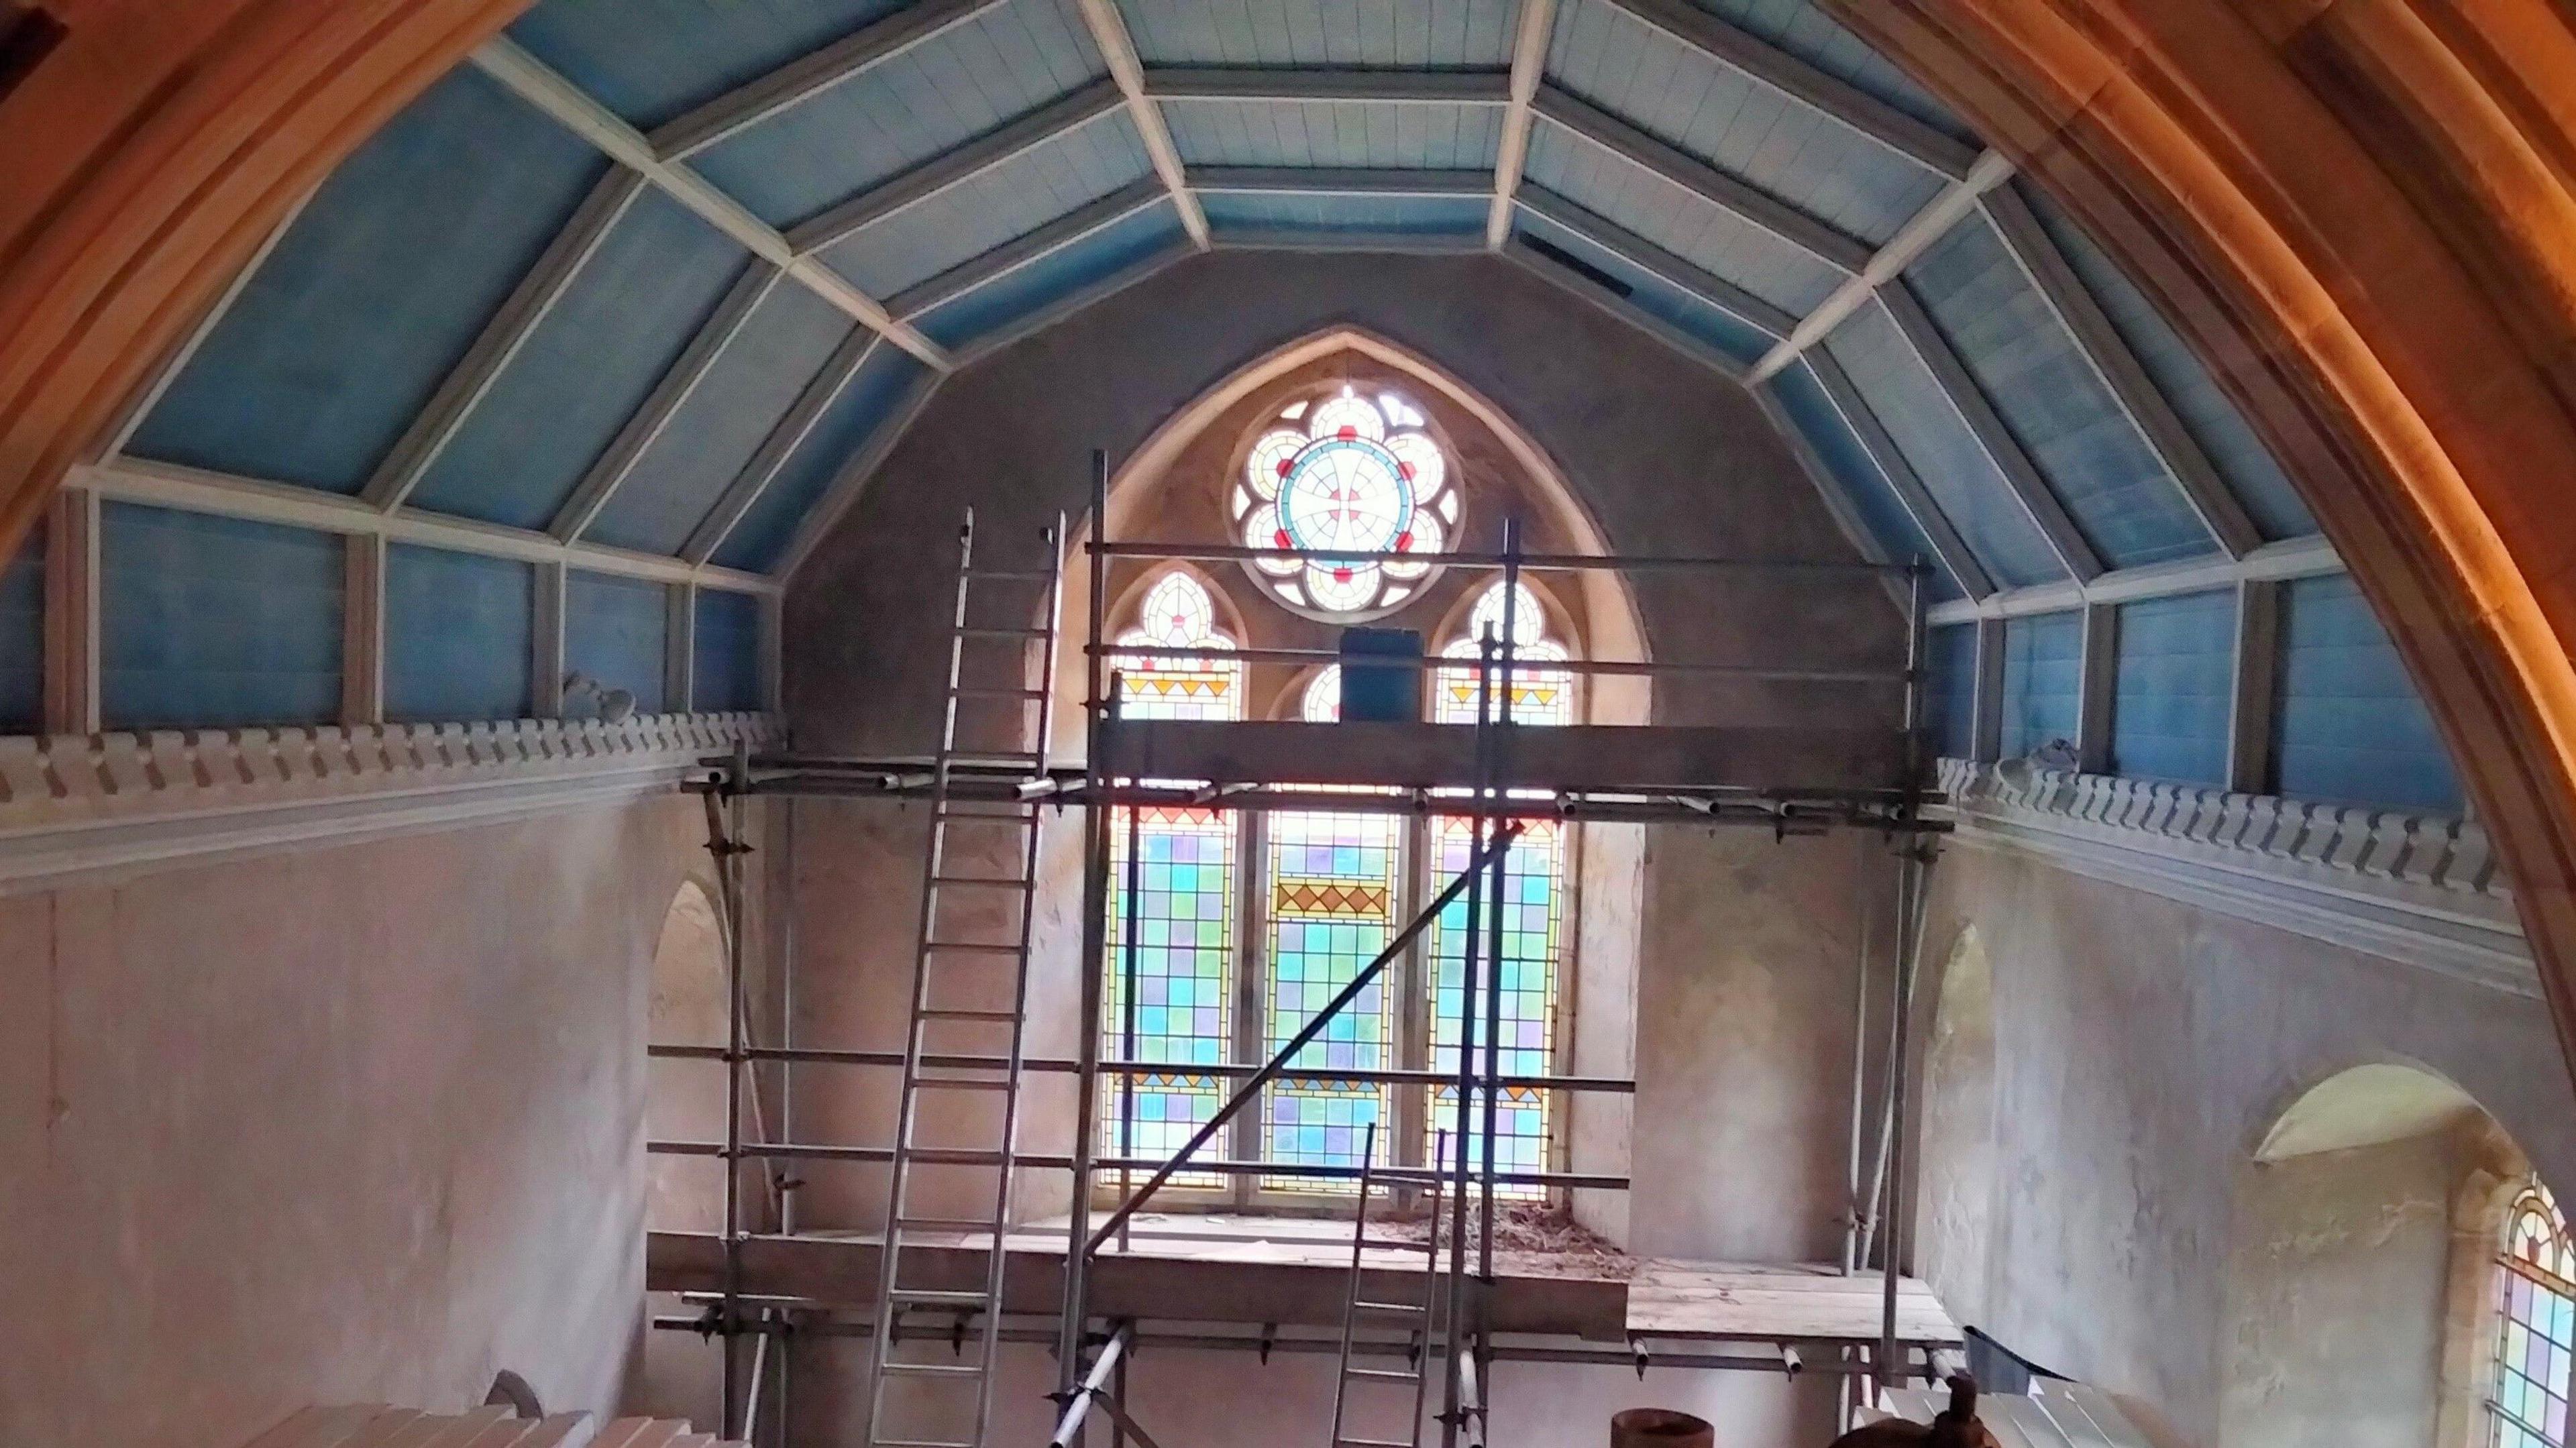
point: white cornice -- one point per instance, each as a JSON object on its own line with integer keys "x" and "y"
{"x": 85, "y": 808}
{"x": 2420, "y": 889}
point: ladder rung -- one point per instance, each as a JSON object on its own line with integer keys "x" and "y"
{"x": 936, "y": 1297}
{"x": 1409, "y": 1309}
{"x": 943, "y": 1224}
{"x": 950, "y": 1013}
{"x": 1371, "y": 1443}
{"x": 958, "y": 1083}
{"x": 970, "y": 947}
{"x": 936, "y": 1370}
{"x": 1381, "y": 1375}
{"x": 953, "y": 814}
{"x": 996, "y": 882}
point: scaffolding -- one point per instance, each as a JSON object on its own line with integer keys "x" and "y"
{"x": 1789, "y": 782}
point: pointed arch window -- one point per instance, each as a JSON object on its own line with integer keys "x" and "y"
{"x": 2536, "y": 1325}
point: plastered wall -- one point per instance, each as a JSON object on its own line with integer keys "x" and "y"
{"x": 334, "y": 1125}
{"x": 2141, "y": 1049}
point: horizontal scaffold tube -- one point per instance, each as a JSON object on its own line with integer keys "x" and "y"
{"x": 822, "y": 1056}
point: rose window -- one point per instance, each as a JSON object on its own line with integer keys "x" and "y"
{"x": 1346, "y": 474}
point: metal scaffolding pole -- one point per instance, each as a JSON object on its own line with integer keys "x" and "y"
{"x": 1912, "y": 871}
{"x": 1452, "y": 1395}
{"x": 724, "y": 811}
{"x": 1498, "y": 892}
{"x": 1095, "y": 942}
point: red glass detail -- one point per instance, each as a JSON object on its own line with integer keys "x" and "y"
{"x": 1283, "y": 466}
{"x": 1347, "y": 433}
{"x": 1404, "y": 541}
{"x": 1341, "y": 575}
{"x": 1405, "y": 468}
{"x": 1282, "y": 536}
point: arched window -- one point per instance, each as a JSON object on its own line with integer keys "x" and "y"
{"x": 1345, "y": 473}
{"x": 2536, "y": 1325}
{"x": 1539, "y": 694}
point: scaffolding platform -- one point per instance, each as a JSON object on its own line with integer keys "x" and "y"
{"x": 1294, "y": 1271}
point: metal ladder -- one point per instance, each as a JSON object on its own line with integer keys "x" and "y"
{"x": 1354, "y": 1305}
{"x": 947, "y": 1387}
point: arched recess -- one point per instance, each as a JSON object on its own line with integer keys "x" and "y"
{"x": 1959, "y": 1125}
{"x": 2361, "y": 209}
{"x": 2360, "y": 1302}
{"x": 685, "y": 1100}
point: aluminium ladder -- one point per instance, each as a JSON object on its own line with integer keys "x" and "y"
{"x": 1354, "y": 1305}
{"x": 970, "y": 986}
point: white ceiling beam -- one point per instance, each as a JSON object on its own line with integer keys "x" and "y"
{"x": 471, "y": 379}
{"x": 1720, "y": 40}
{"x": 1846, "y": 254}
{"x": 1646, "y": 256}
{"x": 1014, "y": 138}
{"x": 1281, "y": 83}
{"x": 2308, "y": 557}
{"x": 1529, "y": 65}
{"x": 609, "y": 472}
{"x": 1939, "y": 533}
{"x": 1337, "y": 181}
{"x": 1918, "y": 233}
{"x": 1138, "y": 195}
{"x": 810, "y": 75}
{"x": 192, "y": 490}
{"x": 1109, "y": 32}
{"x": 784, "y": 438}
{"x": 531, "y": 80}
{"x": 2039, "y": 502}
{"x": 2036, "y": 252}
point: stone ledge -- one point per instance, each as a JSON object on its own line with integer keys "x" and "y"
{"x": 2418, "y": 888}
{"x": 73, "y": 807}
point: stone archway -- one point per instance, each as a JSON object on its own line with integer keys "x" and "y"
{"x": 685, "y": 1100}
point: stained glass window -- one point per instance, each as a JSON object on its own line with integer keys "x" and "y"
{"x": 1540, "y": 695}
{"x": 1181, "y": 975}
{"x": 1332, "y": 896}
{"x": 2536, "y": 1325}
{"x": 1350, "y": 474}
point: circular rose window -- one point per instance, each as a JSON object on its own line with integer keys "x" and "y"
{"x": 1349, "y": 474}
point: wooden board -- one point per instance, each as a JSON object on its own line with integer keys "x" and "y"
{"x": 1728, "y": 1301}
{"x": 1576, "y": 756}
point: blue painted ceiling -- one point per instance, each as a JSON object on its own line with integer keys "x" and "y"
{"x": 481, "y": 315}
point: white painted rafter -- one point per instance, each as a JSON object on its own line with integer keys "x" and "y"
{"x": 1646, "y": 256}
{"x": 1955, "y": 556}
{"x": 1337, "y": 181}
{"x": 1109, "y": 32}
{"x": 2308, "y": 557}
{"x": 812, "y": 74}
{"x": 783, "y": 439}
{"x": 1075, "y": 225}
{"x": 1529, "y": 65}
{"x": 533, "y": 81}
{"x": 1016, "y": 137}
{"x": 1300, "y": 83}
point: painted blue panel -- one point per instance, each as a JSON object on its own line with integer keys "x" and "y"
{"x": 616, "y": 631}
{"x": 900, "y": 113}
{"x": 1799, "y": 28}
{"x": 215, "y": 621}
{"x": 1016, "y": 295}
{"x": 1910, "y": 403}
{"x": 1700, "y": 232}
{"x": 1335, "y": 133}
{"x": 1006, "y": 202}
{"x": 1830, "y": 434}
{"x": 1802, "y": 155}
{"x": 2205, "y": 409}
{"x": 1950, "y": 703}
{"x": 2028, "y": 365}
{"x": 1395, "y": 33}
{"x": 2350, "y": 724}
{"x": 2174, "y": 677}
{"x": 377, "y": 289}
{"x": 585, "y": 369}
{"x": 1721, "y": 329}
{"x": 1327, "y": 215}
{"x": 727, "y": 672}
{"x": 884, "y": 380}
{"x": 22, "y": 638}
{"x": 649, "y": 60}
{"x": 2043, "y": 680}
{"x": 459, "y": 630}
{"x": 782, "y": 345}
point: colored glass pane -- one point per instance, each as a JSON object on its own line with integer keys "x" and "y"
{"x": 1332, "y": 896}
{"x": 1351, "y": 475}
{"x": 2536, "y": 1327}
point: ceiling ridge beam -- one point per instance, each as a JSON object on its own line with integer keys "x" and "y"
{"x": 1141, "y": 194}
{"x": 1466, "y": 87}
{"x": 811, "y": 74}
{"x": 956, "y": 166}
{"x": 1511, "y": 156}
{"x": 582, "y": 114}
{"x": 780, "y": 444}
{"x": 225, "y": 495}
{"x": 2306, "y": 557}
{"x": 2039, "y": 502}
{"x": 503, "y": 336}
{"x": 2211, "y": 500}
{"x": 1844, "y": 253}
{"x": 1911, "y": 240}
{"x": 1610, "y": 236}
{"x": 1939, "y": 533}
{"x": 680, "y": 381}
{"x": 1109, "y": 32}
{"x": 1340, "y": 180}
{"x": 1802, "y": 81}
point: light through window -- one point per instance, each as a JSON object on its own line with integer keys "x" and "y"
{"x": 1352, "y": 474}
{"x": 2536, "y": 1327}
